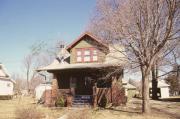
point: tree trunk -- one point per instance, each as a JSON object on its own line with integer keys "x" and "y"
{"x": 154, "y": 83}
{"x": 145, "y": 92}
{"x": 28, "y": 82}
{"x": 178, "y": 78}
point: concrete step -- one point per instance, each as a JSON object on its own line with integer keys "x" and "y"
{"x": 81, "y": 105}
{"x": 82, "y": 100}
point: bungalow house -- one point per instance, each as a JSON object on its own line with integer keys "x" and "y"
{"x": 87, "y": 72}
{"x": 6, "y": 83}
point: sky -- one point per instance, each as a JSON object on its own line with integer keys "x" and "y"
{"x": 25, "y": 22}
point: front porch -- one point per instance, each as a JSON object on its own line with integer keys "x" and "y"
{"x": 84, "y": 86}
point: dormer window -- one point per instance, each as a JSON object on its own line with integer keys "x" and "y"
{"x": 79, "y": 56}
{"x": 94, "y": 57}
{"x": 86, "y": 55}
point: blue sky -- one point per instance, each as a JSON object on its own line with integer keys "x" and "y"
{"x": 25, "y": 22}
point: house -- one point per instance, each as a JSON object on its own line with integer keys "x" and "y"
{"x": 130, "y": 90}
{"x": 40, "y": 90}
{"x": 163, "y": 89}
{"x": 88, "y": 72}
{"x": 6, "y": 83}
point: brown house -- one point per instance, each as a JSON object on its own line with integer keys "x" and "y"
{"x": 87, "y": 73}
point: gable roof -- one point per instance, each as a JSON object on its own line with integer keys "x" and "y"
{"x": 129, "y": 86}
{"x": 3, "y": 72}
{"x": 83, "y": 35}
{"x": 161, "y": 83}
{"x": 4, "y": 75}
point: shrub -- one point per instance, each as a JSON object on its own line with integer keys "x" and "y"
{"x": 60, "y": 102}
{"x": 29, "y": 113}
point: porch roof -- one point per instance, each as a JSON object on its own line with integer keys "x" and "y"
{"x": 129, "y": 86}
{"x": 3, "y": 72}
{"x": 7, "y": 79}
{"x": 65, "y": 66}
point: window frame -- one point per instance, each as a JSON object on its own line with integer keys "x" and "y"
{"x": 91, "y": 55}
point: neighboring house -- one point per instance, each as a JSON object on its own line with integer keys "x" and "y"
{"x": 6, "y": 83}
{"x": 40, "y": 90}
{"x": 130, "y": 90}
{"x": 81, "y": 73}
{"x": 163, "y": 89}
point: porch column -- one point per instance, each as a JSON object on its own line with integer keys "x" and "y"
{"x": 72, "y": 85}
{"x": 95, "y": 95}
{"x": 54, "y": 90}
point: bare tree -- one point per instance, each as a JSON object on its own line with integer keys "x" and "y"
{"x": 146, "y": 28}
{"x": 20, "y": 83}
{"x": 28, "y": 68}
{"x": 35, "y": 81}
{"x": 41, "y": 54}
{"x": 173, "y": 80}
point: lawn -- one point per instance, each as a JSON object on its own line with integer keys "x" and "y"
{"x": 160, "y": 110}
{"x": 9, "y": 108}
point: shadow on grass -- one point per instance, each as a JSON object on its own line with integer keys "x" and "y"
{"x": 168, "y": 113}
{"x": 170, "y": 99}
{"x": 126, "y": 111}
{"x": 5, "y": 97}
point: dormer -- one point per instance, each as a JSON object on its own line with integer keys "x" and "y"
{"x": 87, "y": 49}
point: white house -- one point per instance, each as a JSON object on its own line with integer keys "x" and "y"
{"x": 40, "y": 89}
{"x": 6, "y": 83}
{"x": 163, "y": 89}
{"x": 130, "y": 90}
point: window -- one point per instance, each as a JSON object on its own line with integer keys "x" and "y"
{"x": 86, "y": 55}
{"x": 79, "y": 53}
{"x": 94, "y": 52}
{"x": 79, "y": 59}
{"x": 79, "y": 56}
{"x": 87, "y": 52}
{"x": 87, "y": 59}
{"x": 94, "y": 56}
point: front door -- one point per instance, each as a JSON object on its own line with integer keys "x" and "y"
{"x": 83, "y": 86}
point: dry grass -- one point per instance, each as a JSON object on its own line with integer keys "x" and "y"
{"x": 80, "y": 114}
{"x": 8, "y": 108}
{"x": 161, "y": 110}
{"x": 31, "y": 112}
{"x": 105, "y": 114}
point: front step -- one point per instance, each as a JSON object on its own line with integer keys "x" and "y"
{"x": 82, "y": 101}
